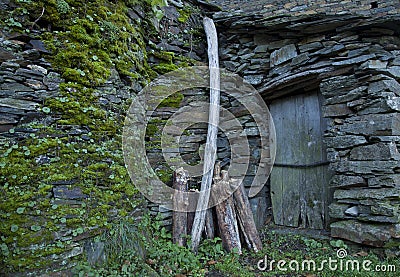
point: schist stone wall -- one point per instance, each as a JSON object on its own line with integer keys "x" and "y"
{"x": 304, "y": 7}
{"x": 354, "y": 62}
{"x": 189, "y": 146}
{"x": 41, "y": 224}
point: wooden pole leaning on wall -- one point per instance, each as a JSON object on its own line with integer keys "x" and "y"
{"x": 210, "y": 152}
{"x": 180, "y": 216}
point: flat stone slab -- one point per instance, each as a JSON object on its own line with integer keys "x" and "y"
{"x": 365, "y": 233}
{"x": 370, "y": 193}
{"x": 378, "y": 152}
{"x": 283, "y": 54}
{"x": 64, "y": 192}
{"x": 341, "y": 181}
{"x": 18, "y": 104}
{"x": 385, "y": 181}
{"x": 342, "y": 142}
{"x": 367, "y": 167}
{"x": 373, "y": 124}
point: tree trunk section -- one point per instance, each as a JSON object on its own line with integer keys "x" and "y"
{"x": 227, "y": 223}
{"x": 190, "y": 217}
{"x": 179, "y": 216}
{"x": 246, "y": 219}
{"x": 210, "y": 152}
{"x": 210, "y": 233}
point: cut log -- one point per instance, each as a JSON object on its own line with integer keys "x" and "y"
{"x": 210, "y": 152}
{"x": 179, "y": 216}
{"x": 210, "y": 233}
{"x": 190, "y": 217}
{"x": 246, "y": 219}
{"x": 227, "y": 223}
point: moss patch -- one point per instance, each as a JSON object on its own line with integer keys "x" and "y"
{"x": 173, "y": 100}
{"x": 184, "y": 14}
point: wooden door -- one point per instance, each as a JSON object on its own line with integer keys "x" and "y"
{"x": 299, "y": 180}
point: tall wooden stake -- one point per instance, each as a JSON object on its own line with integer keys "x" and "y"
{"x": 211, "y": 144}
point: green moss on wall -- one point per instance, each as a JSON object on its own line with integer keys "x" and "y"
{"x": 184, "y": 14}
{"x": 163, "y": 68}
{"x": 29, "y": 218}
{"x": 87, "y": 39}
{"x": 173, "y": 100}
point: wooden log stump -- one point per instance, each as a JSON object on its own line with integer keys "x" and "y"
{"x": 226, "y": 216}
{"x": 180, "y": 216}
{"x": 190, "y": 217}
{"x": 246, "y": 219}
{"x": 209, "y": 228}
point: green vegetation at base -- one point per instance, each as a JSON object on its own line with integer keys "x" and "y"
{"x": 145, "y": 249}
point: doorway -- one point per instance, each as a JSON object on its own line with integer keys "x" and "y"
{"x": 300, "y": 177}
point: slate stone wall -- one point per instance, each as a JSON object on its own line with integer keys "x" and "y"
{"x": 191, "y": 143}
{"x": 304, "y": 7}
{"x": 354, "y": 63}
{"x": 26, "y": 81}
{"x": 49, "y": 207}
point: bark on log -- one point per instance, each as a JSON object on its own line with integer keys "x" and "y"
{"x": 179, "y": 216}
{"x": 209, "y": 229}
{"x": 246, "y": 219}
{"x": 210, "y": 152}
{"x": 190, "y": 217}
{"x": 227, "y": 223}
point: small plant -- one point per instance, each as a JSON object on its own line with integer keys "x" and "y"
{"x": 11, "y": 22}
{"x": 62, "y": 7}
{"x": 312, "y": 244}
{"x": 338, "y": 244}
{"x": 211, "y": 249}
{"x": 146, "y": 249}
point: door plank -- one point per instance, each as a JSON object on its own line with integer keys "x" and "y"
{"x": 313, "y": 192}
{"x": 285, "y": 188}
{"x": 277, "y": 173}
{"x": 293, "y": 118}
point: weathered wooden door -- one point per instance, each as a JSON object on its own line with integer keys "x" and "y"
{"x": 300, "y": 176}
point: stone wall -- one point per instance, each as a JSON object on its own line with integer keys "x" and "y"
{"x": 42, "y": 205}
{"x": 189, "y": 146}
{"x": 26, "y": 81}
{"x": 304, "y": 7}
{"x": 354, "y": 63}
{"x": 63, "y": 177}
